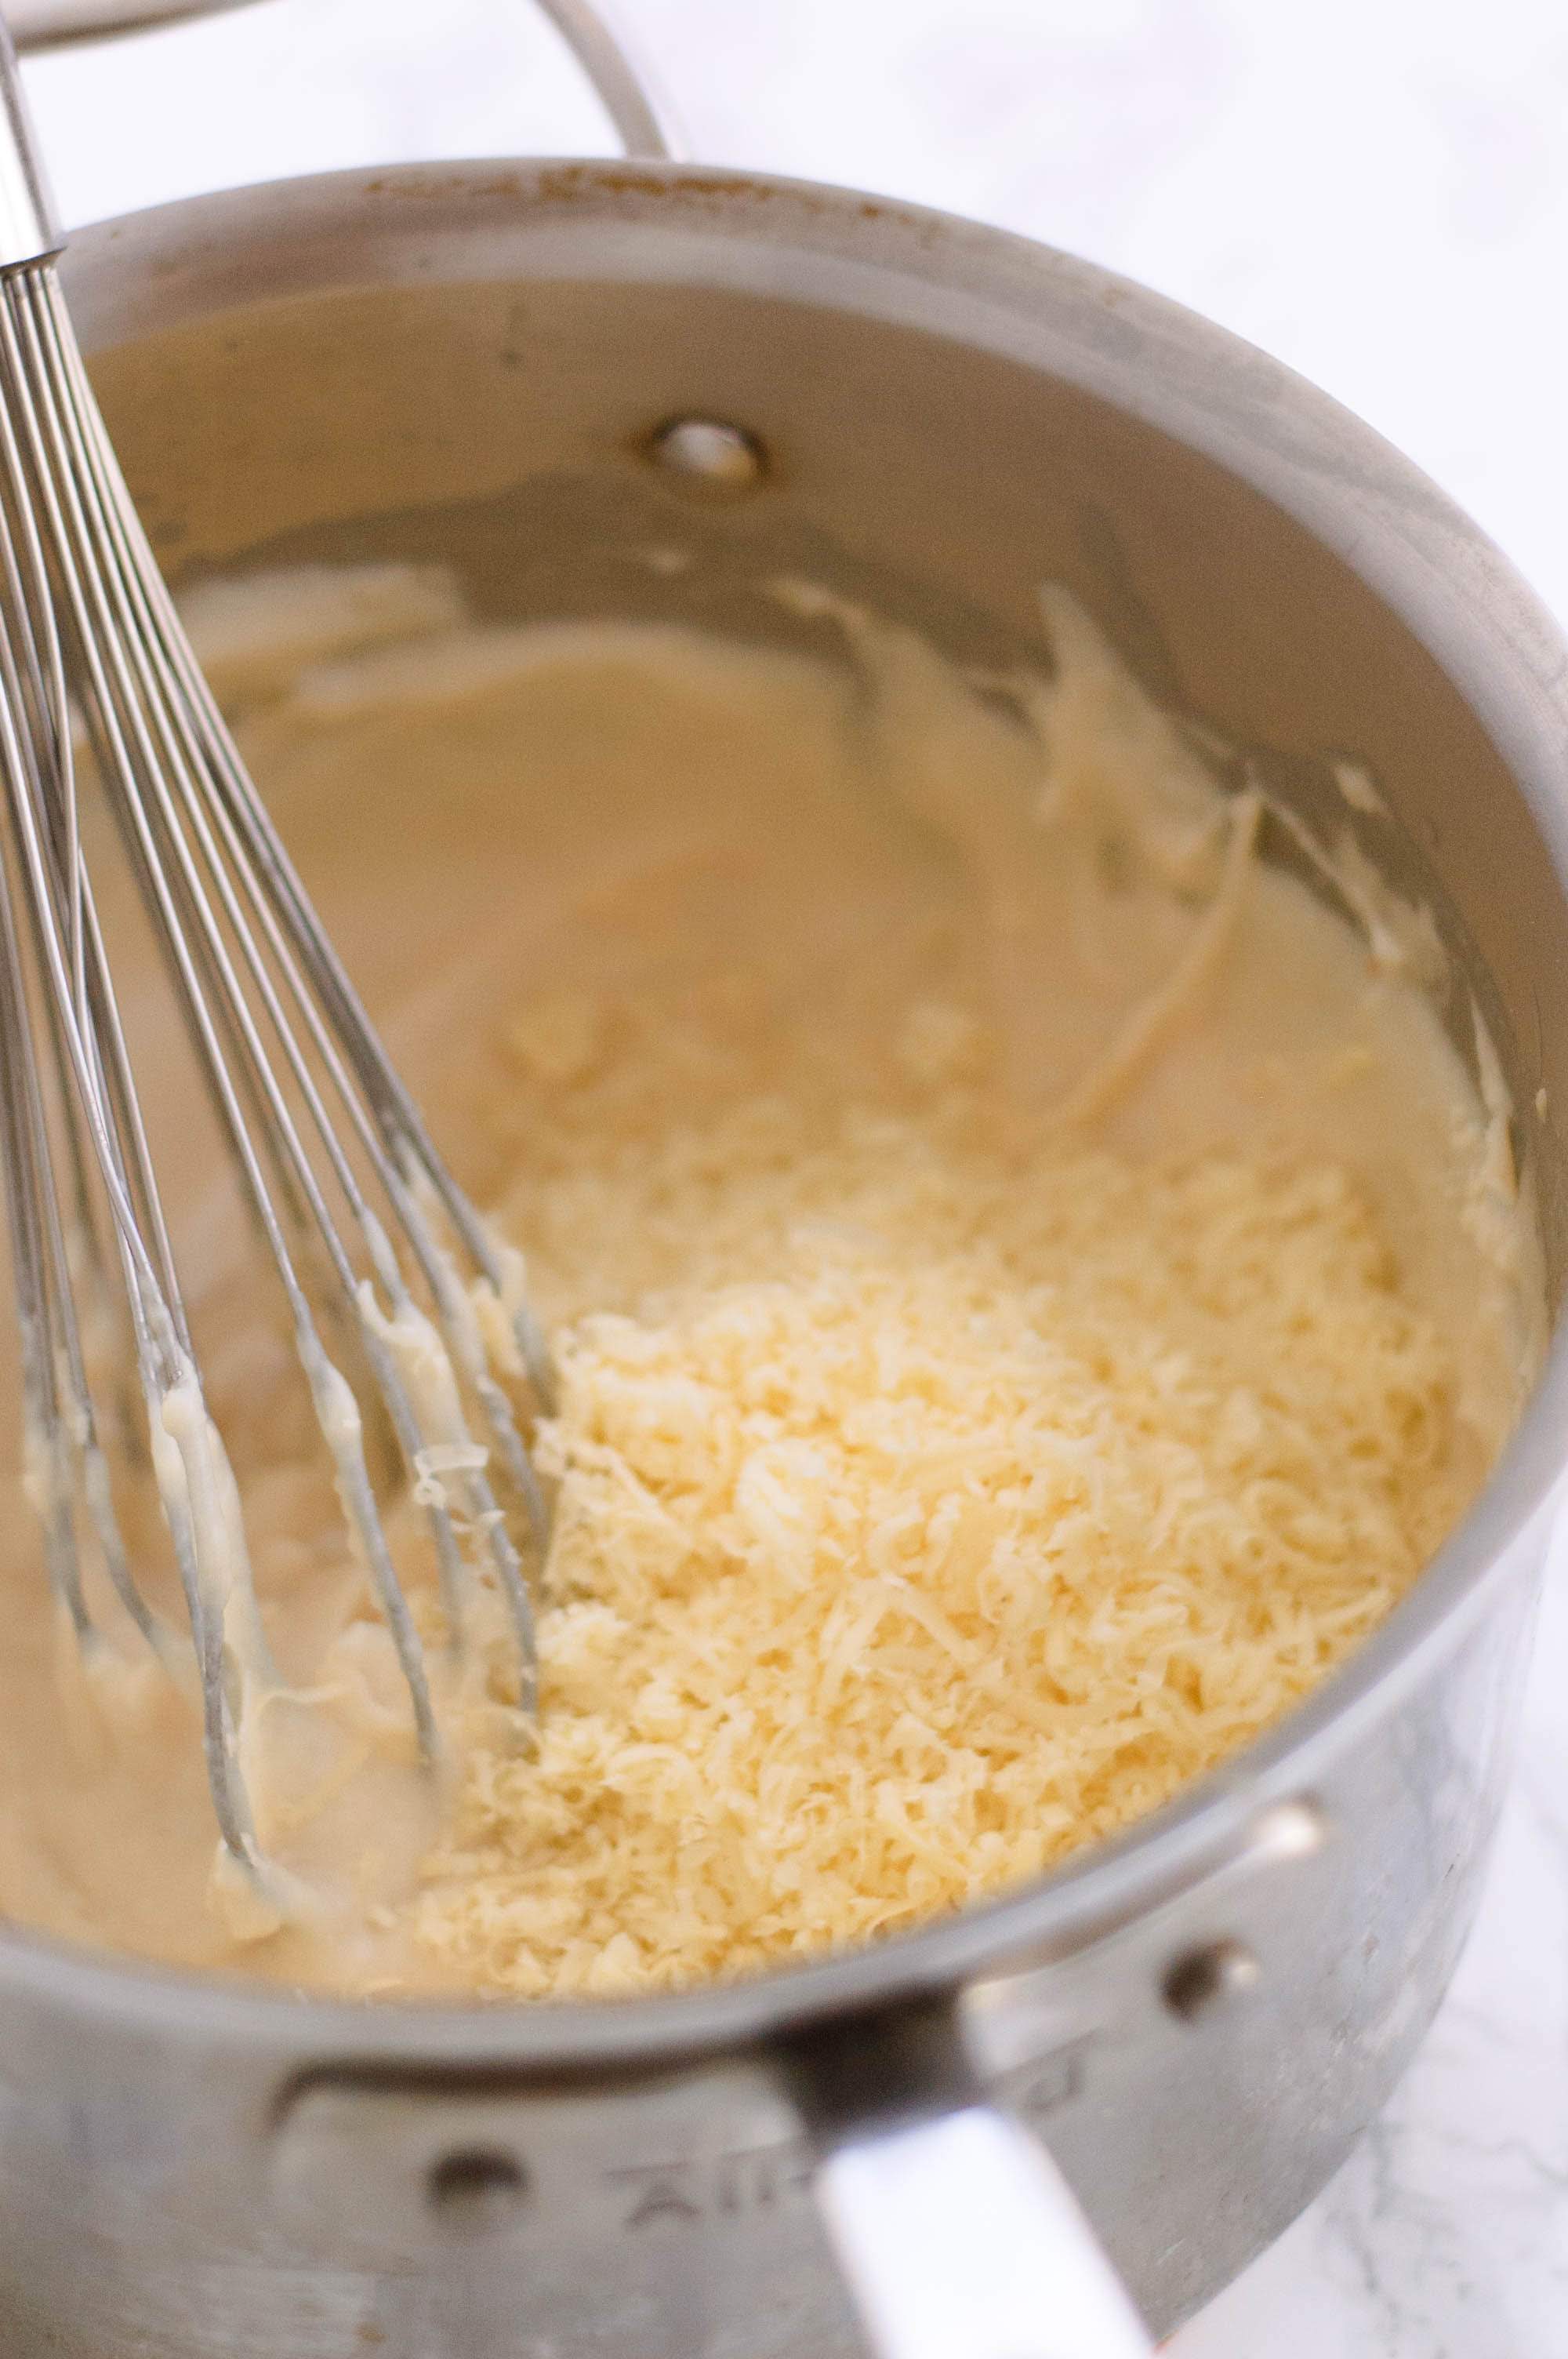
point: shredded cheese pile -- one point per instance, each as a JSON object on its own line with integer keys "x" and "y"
{"x": 932, "y": 1503}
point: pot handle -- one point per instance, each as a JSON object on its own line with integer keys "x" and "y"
{"x": 956, "y": 2233}
{"x": 630, "y": 97}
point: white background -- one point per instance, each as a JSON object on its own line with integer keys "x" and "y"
{"x": 1377, "y": 191}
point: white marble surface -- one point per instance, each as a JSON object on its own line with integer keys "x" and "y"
{"x": 1377, "y": 192}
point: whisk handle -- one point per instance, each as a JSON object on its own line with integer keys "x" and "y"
{"x": 29, "y": 226}
{"x": 631, "y": 98}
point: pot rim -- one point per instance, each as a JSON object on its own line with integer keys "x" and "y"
{"x": 1301, "y": 450}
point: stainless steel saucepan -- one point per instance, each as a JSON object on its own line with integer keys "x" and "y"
{"x": 525, "y": 368}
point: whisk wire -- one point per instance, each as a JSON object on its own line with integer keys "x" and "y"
{"x": 184, "y": 814}
{"x": 289, "y": 1058}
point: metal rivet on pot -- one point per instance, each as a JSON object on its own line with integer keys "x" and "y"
{"x": 1291, "y": 1830}
{"x": 710, "y": 452}
{"x": 1208, "y": 1978}
{"x": 476, "y": 2188}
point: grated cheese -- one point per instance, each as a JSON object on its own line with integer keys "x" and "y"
{"x": 932, "y": 1500}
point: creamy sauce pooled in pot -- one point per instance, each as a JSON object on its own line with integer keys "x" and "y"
{"x": 1032, "y": 1286}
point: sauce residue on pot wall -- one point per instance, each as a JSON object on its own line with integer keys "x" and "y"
{"x": 1032, "y": 1287}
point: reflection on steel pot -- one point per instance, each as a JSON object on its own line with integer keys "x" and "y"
{"x": 519, "y": 368}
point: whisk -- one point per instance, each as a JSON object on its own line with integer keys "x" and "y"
{"x": 361, "y": 1222}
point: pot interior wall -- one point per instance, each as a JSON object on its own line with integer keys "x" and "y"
{"x": 504, "y": 425}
